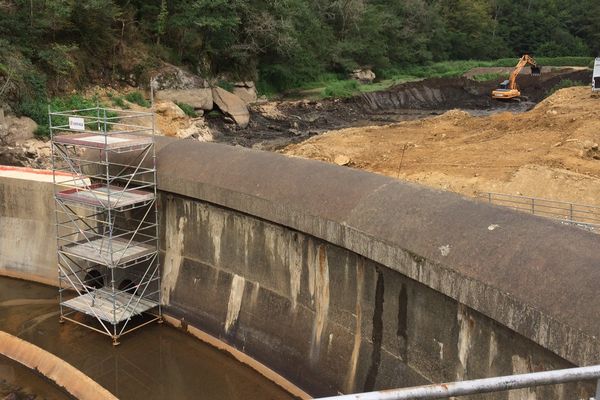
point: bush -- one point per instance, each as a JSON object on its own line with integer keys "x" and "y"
{"x": 340, "y": 89}
{"x": 565, "y": 83}
{"x": 137, "y": 98}
{"x": 38, "y": 110}
{"x": 187, "y": 109}
{"x": 226, "y": 85}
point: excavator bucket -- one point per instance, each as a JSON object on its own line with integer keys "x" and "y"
{"x": 536, "y": 70}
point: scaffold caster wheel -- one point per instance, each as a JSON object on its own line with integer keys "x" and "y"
{"x": 116, "y": 342}
{"x": 61, "y": 320}
{"x": 161, "y": 320}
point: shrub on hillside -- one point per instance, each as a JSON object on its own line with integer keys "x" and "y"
{"x": 137, "y": 98}
{"x": 340, "y": 89}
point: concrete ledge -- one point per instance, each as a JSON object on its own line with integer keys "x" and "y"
{"x": 533, "y": 275}
{"x": 60, "y": 372}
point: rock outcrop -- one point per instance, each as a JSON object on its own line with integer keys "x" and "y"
{"x": 232, "y": 106}
{"x": 200, "y": 98}
{"x": 170, "y": 77}
{"x": 15, "y": 130}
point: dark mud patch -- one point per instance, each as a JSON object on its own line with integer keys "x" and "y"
{"x": 295, "y": 121}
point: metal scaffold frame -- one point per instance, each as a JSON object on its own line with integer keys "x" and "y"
{"x": 104, "y": 164}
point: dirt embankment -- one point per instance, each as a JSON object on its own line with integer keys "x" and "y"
{"x": 448, "y": 93}
{"x": 550, "y": 151}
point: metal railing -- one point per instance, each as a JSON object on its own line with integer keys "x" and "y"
{"x": 479, "y": 386}
{"x": 581, "y": 215}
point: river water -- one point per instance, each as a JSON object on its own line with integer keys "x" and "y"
{"x": 156, "y": 362}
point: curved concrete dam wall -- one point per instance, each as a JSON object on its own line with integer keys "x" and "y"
{"x": 347, "y": 281}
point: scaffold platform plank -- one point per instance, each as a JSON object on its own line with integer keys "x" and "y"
{"x": 107, "y": 141}
{"x": 107, "y": 196}
{"x": 110, "y": 307}
{"x": 106, "y": 252}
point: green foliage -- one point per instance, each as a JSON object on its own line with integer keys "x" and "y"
{"x": 553, "y": 61}
{"x": 565, "y": 83}
{"x": 187, "y": 109}
{"x": 285, "y": 44}
{"x": 226, "y": 85}
{"x": 137, "y": 98}
{"x": 37, "y": 109}
{"x": 340, "y": 89}
{"x": 492, "y": 76}
{"x": 118, "y": 101}
{"x": 58, "y": 58}
{"x": 161, "y": 22}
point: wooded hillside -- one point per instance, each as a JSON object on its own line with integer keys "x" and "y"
{"x": 60, "y": 45}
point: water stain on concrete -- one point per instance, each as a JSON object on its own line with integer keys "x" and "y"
{"x": 521, "y": 365}
{"x": 295, "y": 246}
{"x": 465, "y": 326}
{"x": 310, "y": 266}
{"x": 216, "y": 223}
{"x": 351, "y": 376}
{"x": 174, "y": 236}
{"x": 321, "y": 285}
{"x": 377, "y": 336}
{"x": 235, "y": 301}
{"x": 402, "y": 329}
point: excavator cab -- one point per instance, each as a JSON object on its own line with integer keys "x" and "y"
{"x": 504, "y": 85}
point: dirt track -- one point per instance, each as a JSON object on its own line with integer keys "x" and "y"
{"x": 550, "y": 151}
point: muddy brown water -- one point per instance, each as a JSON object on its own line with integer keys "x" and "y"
{"x": 20, "y": 383}
{"x": 157, "y": 362}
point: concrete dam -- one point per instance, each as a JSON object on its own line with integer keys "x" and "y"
{"x": 330, "y": 280}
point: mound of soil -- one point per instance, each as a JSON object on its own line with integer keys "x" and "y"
{"x": 550, "y": 151}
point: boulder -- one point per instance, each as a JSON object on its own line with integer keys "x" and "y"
{"x": 341, "y": 159}
{"x": 201, "y": 98}
{"x": 364, "y": 75}
{"x": 231, "y": 105}
{"x": 170, "y": 77}
{"x": 246, "y": 91}
{"x": 16, "y": 130}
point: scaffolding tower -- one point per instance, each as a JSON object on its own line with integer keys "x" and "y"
{"x": 104, "y": 164}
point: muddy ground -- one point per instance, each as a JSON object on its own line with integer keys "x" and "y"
{"x": 276, "y": 124}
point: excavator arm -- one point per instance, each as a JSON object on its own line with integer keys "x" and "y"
{"x": 509, "y": 89}
{"x": 523, "y": 62}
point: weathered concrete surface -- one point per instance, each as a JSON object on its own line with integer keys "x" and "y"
{"x": 27, "y": 229}
{"x": 496, "y": 271}
{"x": 324, "y": 317}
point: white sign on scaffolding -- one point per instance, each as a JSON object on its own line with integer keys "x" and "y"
{"x": 76, "y": 124}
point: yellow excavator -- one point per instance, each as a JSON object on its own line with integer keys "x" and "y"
{"x": 508, "y": 89}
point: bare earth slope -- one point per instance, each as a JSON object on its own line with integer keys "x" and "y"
{"x": 550, "y": 151}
